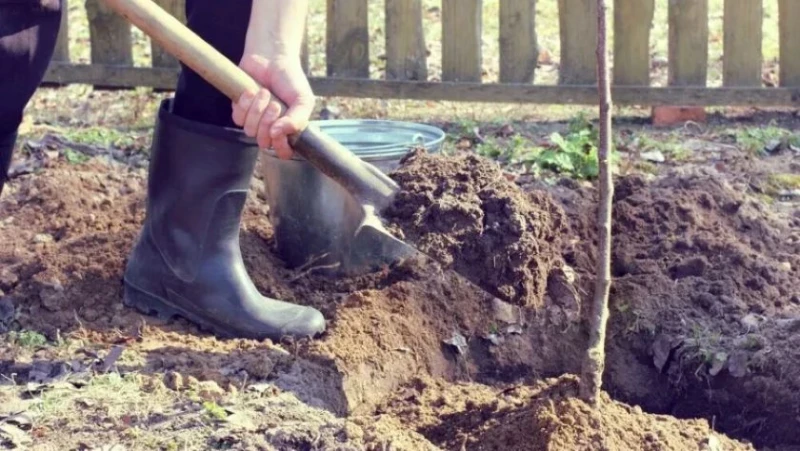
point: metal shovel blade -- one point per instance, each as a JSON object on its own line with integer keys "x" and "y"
{"x": 372, "y": 246}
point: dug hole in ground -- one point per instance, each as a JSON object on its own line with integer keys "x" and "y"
{"x": 703, "y": 343}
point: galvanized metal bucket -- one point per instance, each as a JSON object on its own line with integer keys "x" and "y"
{"x": 312, "y": 215}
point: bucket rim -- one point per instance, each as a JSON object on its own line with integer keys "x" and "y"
{"x": 432, "y": 137}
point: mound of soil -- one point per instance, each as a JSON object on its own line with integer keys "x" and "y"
{"x": 545, "y": 416}
{"x": 704, "y": 302}
{"x": 465, "y": 213}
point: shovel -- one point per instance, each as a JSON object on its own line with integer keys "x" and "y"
{"x": 372, "y": 245}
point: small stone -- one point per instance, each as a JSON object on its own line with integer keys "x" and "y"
{"x": 259, "y": 368}
{"x": 654, "y": 156}
{"x": 210, "y": 391}
{"x": 751, "y": 321}
{"x": 712, "y": 444}
{"x": 173, "y": 381}
{"x": 43, "y": 238}
{"x": 52, "y": 296}
{"x": 7, "y": 278}
{"x": 505, "y": 312}
{"x": 785, "y": 266}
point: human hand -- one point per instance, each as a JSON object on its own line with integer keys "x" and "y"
{"x": 259, "y": 114}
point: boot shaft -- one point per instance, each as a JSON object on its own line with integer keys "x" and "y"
{"x": 198, "y": 183}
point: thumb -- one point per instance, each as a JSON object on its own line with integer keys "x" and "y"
{"x": 295, "y": 119}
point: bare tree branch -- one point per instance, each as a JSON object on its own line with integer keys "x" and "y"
{"x": 594, "y": 360}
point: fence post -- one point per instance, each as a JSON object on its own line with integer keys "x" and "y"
{"x": 688, "y": 58}
{"x": 406, "y": 55}
{"x": 519, "y": 49}
{"x": 347, "y": 46}
{"x": 110, "y": 35}
{"x": 160, "y": 57}
{"x": 632, "y": 22}
{"x": 578, "y": 30}
{"x": 688, "y": 42}
{"x": 61, "y": 51}
{"x": 789, "y": 11}
{"x": 461, "y": 40}
{"x": 741, "y": 63}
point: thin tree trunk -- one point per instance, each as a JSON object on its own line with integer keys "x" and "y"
{"x": 594, "y": 360}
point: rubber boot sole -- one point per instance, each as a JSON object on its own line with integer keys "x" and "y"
{"x": 152, "y": 305}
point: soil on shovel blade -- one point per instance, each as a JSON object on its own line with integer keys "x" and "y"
{"x": 440, "y": 364}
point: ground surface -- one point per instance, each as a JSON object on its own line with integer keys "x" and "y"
{"x": 703, "y": 333}
{"x": 704, "y": 306}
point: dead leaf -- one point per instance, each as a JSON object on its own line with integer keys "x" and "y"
{"x": 662, "y": 349}
{"x": 458, "y": 341}
{"x": 110, "y": 359}
{"x": 718, "y": 363}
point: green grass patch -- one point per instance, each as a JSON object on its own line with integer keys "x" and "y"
{"x": 27, "y": 339}
{"x": 757, "y": 140}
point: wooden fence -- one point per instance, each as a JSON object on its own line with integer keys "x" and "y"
{"x": 347, "y": 54}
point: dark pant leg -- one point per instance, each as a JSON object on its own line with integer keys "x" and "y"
{"x": 223, "y": 24}
{"x": 28, "y": 32}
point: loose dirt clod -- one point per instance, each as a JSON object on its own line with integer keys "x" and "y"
{"x": 465, "y": 213}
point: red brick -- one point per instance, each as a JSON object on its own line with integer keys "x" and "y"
{"x": 664, "y": 116}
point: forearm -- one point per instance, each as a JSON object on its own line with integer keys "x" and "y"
{"x": 276, "y": 28}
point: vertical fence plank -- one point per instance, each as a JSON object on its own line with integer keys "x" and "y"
{"x": 110, "y": 35}
{"x": 519, "y": 50}
{"x": 461, "y": 40}
{"x": 61, "y": 51}
{"x": 160, "y": 57}
{"x": 632, "y": 22}
{"x": 406, "y": 55}
{"x": 789, "y": 11}
{"x": 577, "y": 21}
{"x": 688, "y": 42}
{"x": 742, "y": 58}
{"x": 347, "y": 46}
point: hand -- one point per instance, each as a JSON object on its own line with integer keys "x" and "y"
{"x": 258, "y": 114}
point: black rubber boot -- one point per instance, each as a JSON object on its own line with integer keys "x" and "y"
{"x": 187, "y": 261}
{"x": 6, "y": 151}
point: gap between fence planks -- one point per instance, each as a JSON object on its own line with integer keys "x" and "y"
{"x": 688, "y": 42}
{"x": 789, "y": 42}
{"x": 461, "y": 40}
{"x": 347, "y": 43}
{"x": 406, "y": 54}
{"x": 742, "y": 57}
{"x": 519, "y": 50}
{"x": 110, "y": 35}
{"x": 632, "y": 22}
{"x": 578, "y": 31}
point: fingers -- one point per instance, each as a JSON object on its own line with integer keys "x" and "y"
{"x": 256, "y": 114}
{"x": 294, "y": 121}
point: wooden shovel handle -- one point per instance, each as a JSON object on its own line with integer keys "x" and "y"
{"x": 365, "y": 182}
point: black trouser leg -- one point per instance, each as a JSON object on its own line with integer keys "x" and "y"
{"x": 28, "y": 32}
{"x": 223, "y": 24}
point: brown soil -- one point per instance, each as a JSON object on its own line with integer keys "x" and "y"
{"x": 466, "y": 214}
{"x": 543, "y": 416}
{"x": 71, "y": 227}
{"x": 705, "y": 302}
